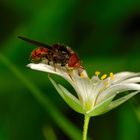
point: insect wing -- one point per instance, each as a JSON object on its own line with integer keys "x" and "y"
{"x": 36, "y": 43}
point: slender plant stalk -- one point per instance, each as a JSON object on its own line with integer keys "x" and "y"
{"x": 85, "y": 127}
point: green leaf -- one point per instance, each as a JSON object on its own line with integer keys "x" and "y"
{"x": 49, "y": 133}
{"x": 57, "y": 87}
{"x": 71, "y": 100}
{"x": 100, "y": 108}
{"x": 107, "y": 105}
{"x": 121, "y": 100}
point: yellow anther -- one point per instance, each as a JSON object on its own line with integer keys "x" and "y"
{"x": 111, "y": 76}
{"x": 97, "y": 73}
{"x": 103, "y": 76}
{"x": 82, "y": 74}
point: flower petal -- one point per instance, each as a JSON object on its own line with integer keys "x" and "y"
{"x": 115, "y": 89}
{"x": 123, "y": 75}
{"x": 132, "y": 80}
{"x": 71, "y": 100}
{"x": 82, "y": 87}
{"x": 51, "y": 69}
{"x": 43, "y": 67}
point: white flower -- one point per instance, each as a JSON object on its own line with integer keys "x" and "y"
{"x": 95, "y": 95}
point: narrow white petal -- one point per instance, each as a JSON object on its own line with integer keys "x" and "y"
{"x": 96, "y": 91}
{"x": 119, "y": 77}
{"x": 43, "y": 67}
{"x": 115, "y": 89}
{"x": 124, "y": 74}
{"x": 82, "y": 87}
{"x": 132, "y": 80}
{"x": 51, "y": 69}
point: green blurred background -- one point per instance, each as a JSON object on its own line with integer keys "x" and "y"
{"x": 105, "y": 34}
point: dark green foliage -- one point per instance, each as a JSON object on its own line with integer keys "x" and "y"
{"x": 105, "y": 34}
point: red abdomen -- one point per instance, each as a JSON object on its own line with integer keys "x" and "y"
{"x": 73, "y": 60}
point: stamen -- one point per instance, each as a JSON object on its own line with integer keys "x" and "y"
{"x": 82, "y": 74}
{"x": 97, "y": 73}
{"x": 103, "y": 76}
{"x": 112, "y": 76}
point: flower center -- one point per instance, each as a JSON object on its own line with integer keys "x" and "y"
{"x": 106, "y": 82}
{"x": 88, "y": 105}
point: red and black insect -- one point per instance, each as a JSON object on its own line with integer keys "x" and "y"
{"x": 56, "y": 54}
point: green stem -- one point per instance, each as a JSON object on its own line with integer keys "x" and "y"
{"x": 85, "y": 127}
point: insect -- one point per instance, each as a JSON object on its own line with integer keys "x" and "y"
{"x": 56, "y": 54}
